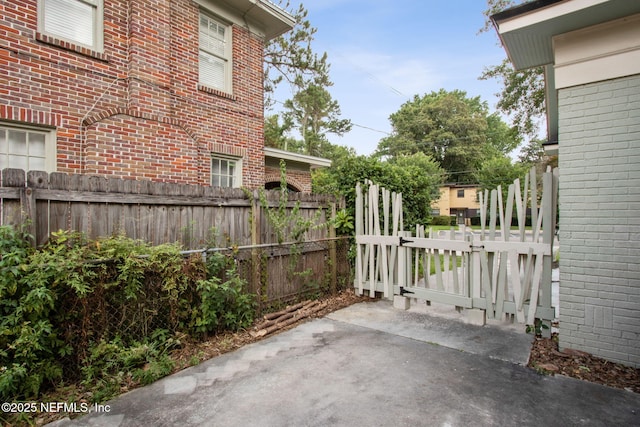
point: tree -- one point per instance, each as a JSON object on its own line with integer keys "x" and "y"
{"x": 451, "y": 128}
{"x": 417, "y": 176}
{"x": 315, "y": 113}
{"x": 500, "y": 136}
{"x": 532, "y": 153}
{"x": 275, "y": 133}
{"x": 523, "y": 92}
{"x": 522, "y": 97}
{"x": 290, "y": 57}
{"x": 499, "y": 171}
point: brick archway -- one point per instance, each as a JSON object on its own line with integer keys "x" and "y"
{"x": 273, "y": 177}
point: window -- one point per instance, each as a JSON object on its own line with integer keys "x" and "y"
{"x": 460, "y": 194}
{"x": 76, "y": 21}
{"x": 26, "y": 149}
{"x": 226, "y": 172}
{"x": 214, "y": 56}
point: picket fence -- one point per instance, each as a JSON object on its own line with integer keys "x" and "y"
{"x": 503, "y": 268}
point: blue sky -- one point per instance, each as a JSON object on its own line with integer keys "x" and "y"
{"x": 383, "y": 52}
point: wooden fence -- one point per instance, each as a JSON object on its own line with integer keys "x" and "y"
{"x": 149, "y": 211}
{"x": 286, "y": 273}
{"x": 196, "y": 216}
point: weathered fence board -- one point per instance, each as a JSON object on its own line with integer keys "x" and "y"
{"x": 230, "y": 220}
{"x": 152, "y": 212}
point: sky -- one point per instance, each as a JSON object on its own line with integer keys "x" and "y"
{"x": 383, "y": 52}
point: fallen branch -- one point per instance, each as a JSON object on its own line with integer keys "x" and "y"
{"x": 268, "y": 323}
{"x": 289, "y": 309}
{"x": 288, "y": 318}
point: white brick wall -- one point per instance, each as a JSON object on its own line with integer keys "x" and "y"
{"x": 599, "y": 159}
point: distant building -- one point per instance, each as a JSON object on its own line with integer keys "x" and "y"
{"x": 456, "y": 200}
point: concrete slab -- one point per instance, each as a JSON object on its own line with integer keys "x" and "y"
{"x": 446, "y": 328}
{"x": 371, "y": 365}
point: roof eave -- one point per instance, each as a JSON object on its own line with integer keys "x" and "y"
{"x": 527, "y": 31}
{"x": 527, "y": 34}
{"x": 272, "y": 20}
{"x": 312, "y": 161}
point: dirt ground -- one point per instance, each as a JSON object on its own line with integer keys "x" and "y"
{"x": 547, "y": 359}
{"x": 223, "y": 343}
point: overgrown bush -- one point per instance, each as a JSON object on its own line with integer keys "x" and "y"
{"x": 32, "y": 283}
{"x": 113, "y": 363}
{"x": 224, "y": 304}
{"x": 100, "y": 311}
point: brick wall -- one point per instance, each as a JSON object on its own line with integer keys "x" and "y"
{"x": 134, "y": 110}
{"x": 300, "y": 180}
{"x": 599, "y": 157}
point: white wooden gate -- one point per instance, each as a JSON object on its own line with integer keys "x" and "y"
{"x": 501, "y": 268}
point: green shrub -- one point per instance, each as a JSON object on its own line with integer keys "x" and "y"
{"x": 105, "y": 312}
{"x": 441, "y": 220}
{"x": 224, "y": 303}
{"x": 113, "y": 363}
{"x": 31, "y": 286}
{"x": 344, "y": 223}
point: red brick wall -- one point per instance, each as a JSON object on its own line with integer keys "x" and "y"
{"x": 301, "y": 180}
{"x": 134, "y": 110}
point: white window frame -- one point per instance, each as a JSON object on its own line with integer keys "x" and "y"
{"x": 225, "y": 57}
{"x": 236, "y": 176}
{"x": 49, "y": 145}
{"x": 97, "y": 25}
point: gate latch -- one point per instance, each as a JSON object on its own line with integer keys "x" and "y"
{"x": 404, "y": 291}
{"x": 403, "y": 241}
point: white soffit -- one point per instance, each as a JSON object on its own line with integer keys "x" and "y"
{"x": 296, "y": 157}
{"x": 527, "y": 36}
{"x": 260, "y": 16}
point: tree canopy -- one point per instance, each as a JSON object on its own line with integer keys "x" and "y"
{"x": 311, "y": 112}
{"x": 522, "y": 97}
{"x": 315, "y": 113}
{"x": 417, "y": 176}
{"x": 499, "y": 171}
{"x": 290, "y": 57}
{"x": 456, "y": 131}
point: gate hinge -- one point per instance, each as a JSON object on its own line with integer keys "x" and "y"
{"x": 404, "y": 291}
{"x": 477, "y": 247}
{"x": 403, "y": 241}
